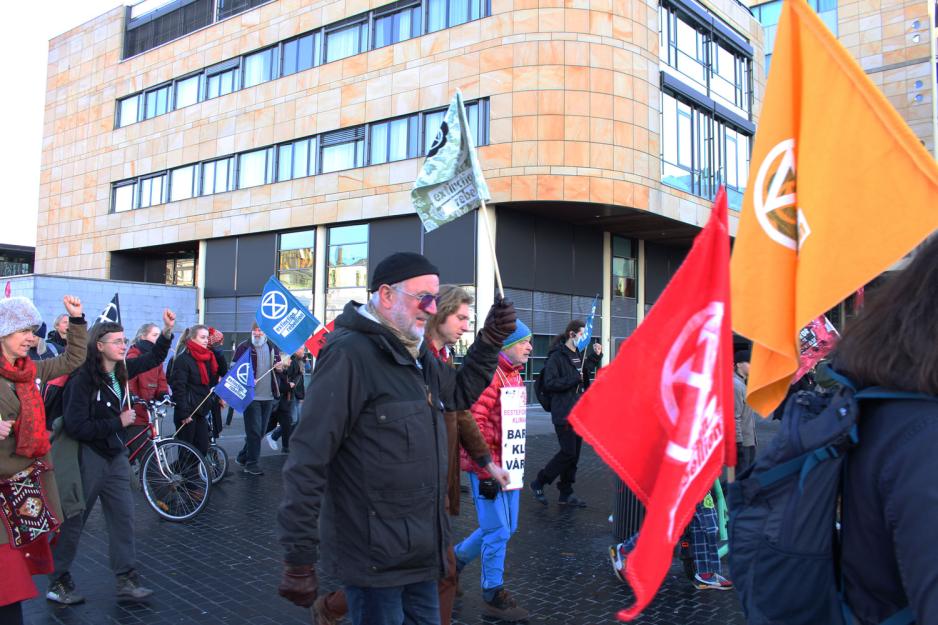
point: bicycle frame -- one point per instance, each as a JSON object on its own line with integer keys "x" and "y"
{"x": 155, "y": 413}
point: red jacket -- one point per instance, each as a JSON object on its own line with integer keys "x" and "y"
{"x": 487, "y": 411}
{"x": 148, "y": 385}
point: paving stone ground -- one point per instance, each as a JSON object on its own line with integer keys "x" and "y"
{"x": 224, "y": 566}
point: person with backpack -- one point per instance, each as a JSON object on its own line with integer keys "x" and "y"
{"x": 562, "y": 380}
{"x": 147, "y": 386}
{"x": 745, "y": 415}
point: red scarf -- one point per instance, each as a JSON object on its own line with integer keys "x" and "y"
{"x": 201, "y": 356}
{"x": 32, "y": 439}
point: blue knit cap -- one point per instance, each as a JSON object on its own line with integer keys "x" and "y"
{"x": 521, "y": 332}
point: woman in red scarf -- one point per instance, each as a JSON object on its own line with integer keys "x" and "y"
{"x": 194, "y": 374}
{"x": 24, "y": 448}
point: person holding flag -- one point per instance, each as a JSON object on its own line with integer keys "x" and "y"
{"x": 196, "y": 370}
{"x": 373, "y": 446}
{"x": 265, "y": 357}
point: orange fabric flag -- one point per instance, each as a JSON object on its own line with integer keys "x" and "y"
{"x": 839, "y": 190}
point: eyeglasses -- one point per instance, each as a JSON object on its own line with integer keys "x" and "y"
{"x": 425, "y": 300}
{"x": 116, "y": 342}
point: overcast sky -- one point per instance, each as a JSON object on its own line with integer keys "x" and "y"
{"x": 24, "y": 45}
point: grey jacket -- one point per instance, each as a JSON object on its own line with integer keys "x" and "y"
{"x": 745, "y": 415}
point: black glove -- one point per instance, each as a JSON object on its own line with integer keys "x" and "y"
{"x": 299, "y": 584}
{"x": 500, "y": 322}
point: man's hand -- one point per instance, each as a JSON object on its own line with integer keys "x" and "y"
{"x": 499, "y": 474}
{"x": 500, "y": 322}
{"x": 5, "y": 428}
{"x": 127, "y": 417}
{"x": 169, "y": 321}
{"x": 299, "y": 584}
{"x": 72, "y": 306}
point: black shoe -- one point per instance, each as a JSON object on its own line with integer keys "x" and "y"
{"x": 252, "y": 469}
{"x": 129, "y": 587}
{"x": 571, "y": 501}
{"x": 538, "y": 492}
{"x": 62, "y": 591}
{"x": 503, "y": 606}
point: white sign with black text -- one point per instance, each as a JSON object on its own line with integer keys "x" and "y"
{"x": 514, "y": 432}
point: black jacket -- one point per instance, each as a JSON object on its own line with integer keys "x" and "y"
{"x": 563, "y": 381}
{"x": 375, "y": 428}
{"x": 188, "y": 389}
{"x": 591, "y": 366}
{"x": 54, "y": 338}
{"x": 890, "y": 556}
{"x": 92, "y": 411}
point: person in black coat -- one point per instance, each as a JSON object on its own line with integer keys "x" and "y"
{"x": 97, "y": 409}
{"x": 594, "y": 360}
{"x": 563, "y": 381}
{"x": 282, "y": 421}
{"x": 196, "y": 370}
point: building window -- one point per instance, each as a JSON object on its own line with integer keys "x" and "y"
{"x": 296, "y": 159}
{"x": 259, "y": 67}
{"x": 623, "y": 267}
{"x": 180, "y": 271}
{"x": 342, "y": 149}
{"x": 393, "y": 140}
{"x": 475, "y": 111}
{"x": 347, "y": 268}
{"x": 448, "y": 13}
{"x": 222, "y": 83}
{"x": 256, "y": 168}
{"x": 151, "y": 190}
{"x": 182, "y": 183}
{"x": 217, "y": 176}
{"x": 400, "y": 25}
{"x": 298, "y": 54}
{"x": 187, "y": 92}
{"x": 769, "y": 13}
{"x": 700, "y": 152}
{"x": 128, "y": 111}
{"x": 296, "y": 263}
{"x": 157, "y": 102}
{"x": 124, "y": 196}
{"x": 345, "y": 41}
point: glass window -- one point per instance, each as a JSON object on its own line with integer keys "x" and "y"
{"x": 431, "y": 128}
{"x": 448, "y": 13}
{"x": 296, "y": 160}
{"x": 124, "y": 197}
{"x": 220, "y": 84}
{"x": 129, "y": 111}
{"x": 187, "y": 91}
{"x": 393, "y": 140}
{"x": 298, "y": 54}
{"x": 623, "y": 268}
{"x": 157, "y": 102}
{"x": 181, "y": 183}
{"x": 342, "y": 149}
{"x": 436, "y": 15}
{"x": 180, "y": 271}
{"x": 216, "y": 176}
{"x": 258, "y": 67}
{"x": 347, "y": 267}
{"x": 395, "y": 27}
{"x": 151, "y": 190}
{"x": 344, "y": 42}
{"x": 255, "y": 168}
{"x": 296, "y": 263}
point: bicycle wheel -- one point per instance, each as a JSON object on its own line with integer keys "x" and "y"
{"x": 174, "y": 480}
{"x": 217, "y": 461}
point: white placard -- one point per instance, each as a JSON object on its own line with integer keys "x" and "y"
{"x": 514, "y": 433}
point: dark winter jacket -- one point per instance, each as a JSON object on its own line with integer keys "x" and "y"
{"x": 148, "y": 385}
{"x": 375, "y": 428}
{"x": 296, "y": 373}
{"x": 274, "y": 359}
{"x": 563, "y": 381}
{"x": 188, "y": 389}
{"x": 891, "y": 502}
{"x": 92, "y": 410}
{"x": 54, "y": 338}
{"x": 591, "y": 366}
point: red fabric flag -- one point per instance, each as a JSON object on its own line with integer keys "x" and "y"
{"x": 661, "y": 415}
{"x": 316, "y": 341}
{"x": 7, "y": 289}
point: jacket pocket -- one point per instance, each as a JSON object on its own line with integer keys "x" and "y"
{"x": 401, "y": 529}
{"x": 396, "y": 431}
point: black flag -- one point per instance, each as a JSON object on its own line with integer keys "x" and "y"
{"x": 111, "y": 312}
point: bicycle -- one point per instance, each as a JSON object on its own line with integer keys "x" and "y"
{"x": 216, "y": 458}
{"x": 173, "y": 474}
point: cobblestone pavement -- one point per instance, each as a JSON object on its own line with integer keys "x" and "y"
{"x": 224, "y": 566}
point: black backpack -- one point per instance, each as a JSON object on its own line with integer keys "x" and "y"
{"x": 543, "y": 397}
{"x": 784, "y": 520}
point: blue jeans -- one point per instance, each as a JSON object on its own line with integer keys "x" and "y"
{"x": 256, "y": 416}
{"x": 413, "y": 604}
{"x": 498, "y": 520}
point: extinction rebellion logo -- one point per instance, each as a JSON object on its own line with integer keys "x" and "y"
{"x": 775, "y": 198}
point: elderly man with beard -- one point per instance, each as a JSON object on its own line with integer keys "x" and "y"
{"x": 265, "y": 357}
{"x": 371, "y": 452}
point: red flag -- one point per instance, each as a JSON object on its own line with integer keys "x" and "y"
{"x": 316, "y": 341}
{"x": 662, "y": 414}
{"x": 7, "y": 289}
{"x": 817, "y": 341}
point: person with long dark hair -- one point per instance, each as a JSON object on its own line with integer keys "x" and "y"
{"x": 25, "y": 445}
{"x": 97, "y": 409}
{"x": 890, "y": 499}
{"x": 563, "y": 380}
{"x": 195, "y": 373}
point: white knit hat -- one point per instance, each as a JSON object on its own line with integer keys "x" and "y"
{"x": 17, "y": 313}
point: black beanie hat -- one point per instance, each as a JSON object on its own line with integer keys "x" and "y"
{"x": 742, "y": 355}
{"x": 399, "y": 267}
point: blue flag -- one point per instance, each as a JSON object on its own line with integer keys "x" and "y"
{"x": 588, "y": 330}
{"x": 237, "y": 387}
{"x": 283, "y": 318}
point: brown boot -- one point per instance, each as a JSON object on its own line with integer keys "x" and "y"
{"x": 321, "y": 613}
{"x": 503, "y": 606}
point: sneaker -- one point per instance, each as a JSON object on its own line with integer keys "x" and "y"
{"x": 252, "y": 469}
{"x": 571, "y": 501}
{"x": 538, "y": 492}
{"x": 617, "y": 557}
{"x": 270, "y": 441}
{"x": 322, "y": 615}
{"x": 503, "y": 606}
{"x": 712, "y": 581}
{"x": 62, "y": 591}
{"x": 128, "y": 587}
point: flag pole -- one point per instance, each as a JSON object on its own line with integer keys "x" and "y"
{"x": 488, "y": 232}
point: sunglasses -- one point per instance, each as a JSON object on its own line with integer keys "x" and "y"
{"x": 425, "y": 300}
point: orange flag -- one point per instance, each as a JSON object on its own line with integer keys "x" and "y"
{"x": 839, "y": 190}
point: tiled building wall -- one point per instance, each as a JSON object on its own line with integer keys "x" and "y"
{"x": 890, "y": 39}
{"x": 573, "y": 88}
